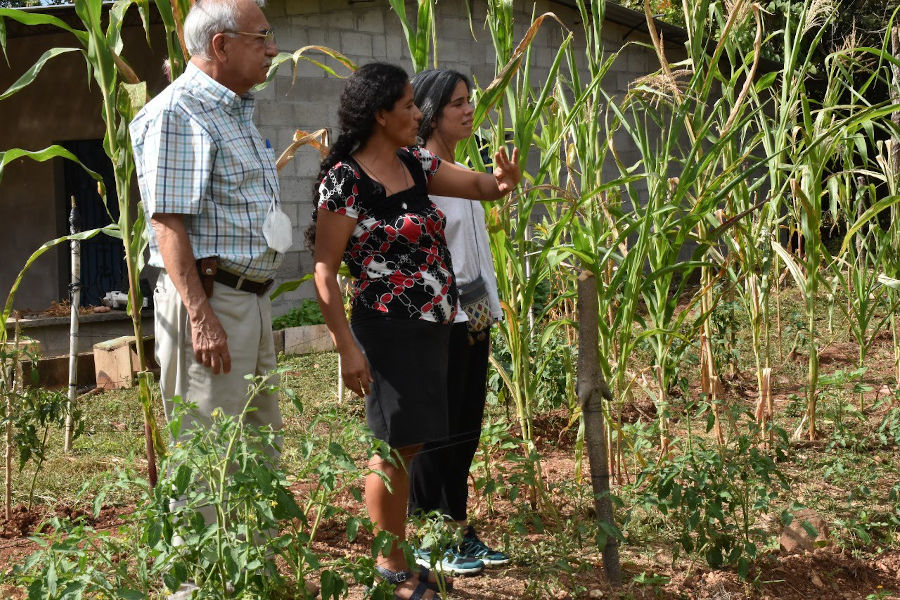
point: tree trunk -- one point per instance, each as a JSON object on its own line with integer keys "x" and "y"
{"x": 592, "y": 390}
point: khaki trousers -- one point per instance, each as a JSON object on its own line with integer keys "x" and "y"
{"x": 247, "y": 320}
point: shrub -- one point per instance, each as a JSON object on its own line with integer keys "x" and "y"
{"x": 308, "y": 313}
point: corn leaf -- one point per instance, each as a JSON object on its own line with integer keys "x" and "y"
{"x": 498, "y": 86}
{"x": 298, "y": 55}
{"x": 110, "y": 230}
{"x": 31, "y": 74}
{"x": 42, "y": 156}
{"x": 31, "y": 18}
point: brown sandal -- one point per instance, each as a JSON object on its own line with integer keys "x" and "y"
{"x": 397, "y": 577}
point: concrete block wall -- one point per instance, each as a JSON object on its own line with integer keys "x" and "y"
{"x": 367, "y": 31}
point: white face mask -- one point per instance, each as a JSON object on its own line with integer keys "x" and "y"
{"x": 277, "y": 230}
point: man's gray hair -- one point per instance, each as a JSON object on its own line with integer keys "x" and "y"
{"x": 207, "y": 18}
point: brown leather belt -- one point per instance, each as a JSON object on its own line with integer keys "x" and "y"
{"x": 238, "y": 282}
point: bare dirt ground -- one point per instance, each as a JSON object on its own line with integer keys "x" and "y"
{"x": 831, "y": 572}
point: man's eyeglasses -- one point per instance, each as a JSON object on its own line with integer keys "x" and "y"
{"x": 266, "y": 35}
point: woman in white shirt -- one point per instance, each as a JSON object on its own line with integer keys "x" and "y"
{"x": 439, "y": 474}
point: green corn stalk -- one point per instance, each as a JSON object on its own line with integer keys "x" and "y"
{"x": 122, "y": 96}
{"x": 678, "y": 128}
{"x": 820, "y": 132}
{"x": 747, "y": 264}
{"x": 424, "y": 35}
{"x": 868, "y": 248}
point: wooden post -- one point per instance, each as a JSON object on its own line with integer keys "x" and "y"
{"x": 75, "y": 276}
{"x": 592, "y": 390}
{"x": 895, "y": 161}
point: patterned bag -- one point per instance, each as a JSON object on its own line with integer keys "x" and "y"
{"x": 473, "y": 299}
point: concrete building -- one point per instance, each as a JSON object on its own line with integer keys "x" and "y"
{"x": 62, "y": 107}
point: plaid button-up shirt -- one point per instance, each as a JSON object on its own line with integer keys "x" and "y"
{"x": 198, "y": 154}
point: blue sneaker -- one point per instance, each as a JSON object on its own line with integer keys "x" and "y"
{"x": 451, "y": 563}
{"x": 473, "y": 547}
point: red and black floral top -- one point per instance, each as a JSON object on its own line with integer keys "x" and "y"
{"x": 397, "y": 251}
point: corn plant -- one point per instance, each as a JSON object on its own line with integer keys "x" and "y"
{"x": 667, "y": 116}
{"x": 423, "y": 37}
{"x": 815, "y": 135}
{"x": 593, "y": 234}
{"x": 868, "y": 246}
{"x": 123, "y": 94}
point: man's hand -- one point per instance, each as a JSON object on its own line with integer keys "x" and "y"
{"x": 207, "y": 335}
{"x": 210, "y": 341}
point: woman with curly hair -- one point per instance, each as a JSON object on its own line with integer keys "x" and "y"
{"x": 439, "y": 475}
{"x": 373, "y": 212}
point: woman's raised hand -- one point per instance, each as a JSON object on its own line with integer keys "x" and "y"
{"x": 506, "y": 170}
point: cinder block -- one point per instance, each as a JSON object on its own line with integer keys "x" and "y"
{"x": 274, "y": 10}
{"x": 356, "y": 44}
{"x": 278, "y": 338}
{"x": 371, "y": 21}
{"x": 292, "y": 38}
{"x": 302, "y": 7}
{"x": 379, "y": 47}
{"x": 393, "y": 47}
{"x": 638, "y": 62}
{"x": 457, "y": 29}
{"x": 341, "y": 19}
{"x": 307, "y": 339}
{"x": 274, "y": 113}
{"x": 116, "y": 361}
{"x": 315, "y": 34}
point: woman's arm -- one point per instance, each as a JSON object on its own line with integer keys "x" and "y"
{"x": 455, "y": 181}
{"x": 332, "y": 233}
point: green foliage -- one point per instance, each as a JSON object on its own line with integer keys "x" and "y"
{"x": 888, "y": 431}
{"x": 667, "y": 10}
{"x": 30, "y": 411}
{"x": 711, "y": 495}
{"x": 235, "y": 516}
{"x": 553, "y": 380}
{"x": 308, "y": 313}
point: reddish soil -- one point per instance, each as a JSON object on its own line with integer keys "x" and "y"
{"x": 823, "y": 574}
{"x": 56, "y": 309}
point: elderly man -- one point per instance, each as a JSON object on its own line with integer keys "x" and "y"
{"x": 210, "y": 191}
{"x": 208, "y": 183}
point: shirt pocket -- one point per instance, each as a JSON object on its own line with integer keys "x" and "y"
{"x": 241, "y": 175}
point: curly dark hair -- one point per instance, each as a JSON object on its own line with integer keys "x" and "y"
{"x": 373, "y": 87}
{"x": 432, "y": 90}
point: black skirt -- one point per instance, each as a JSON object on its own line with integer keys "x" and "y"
{"x": 407, "y": 402}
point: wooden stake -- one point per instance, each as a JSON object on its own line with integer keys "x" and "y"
{"x": 592, "y": 390}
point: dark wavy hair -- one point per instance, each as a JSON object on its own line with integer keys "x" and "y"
{"x": 372, "y": 87}
{"x": 432, "y": 90}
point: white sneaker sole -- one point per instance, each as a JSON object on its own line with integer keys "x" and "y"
{"x": 494, "y": 563}
{"x": 185, "y": 592}
{"x": 443, "y": 567}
